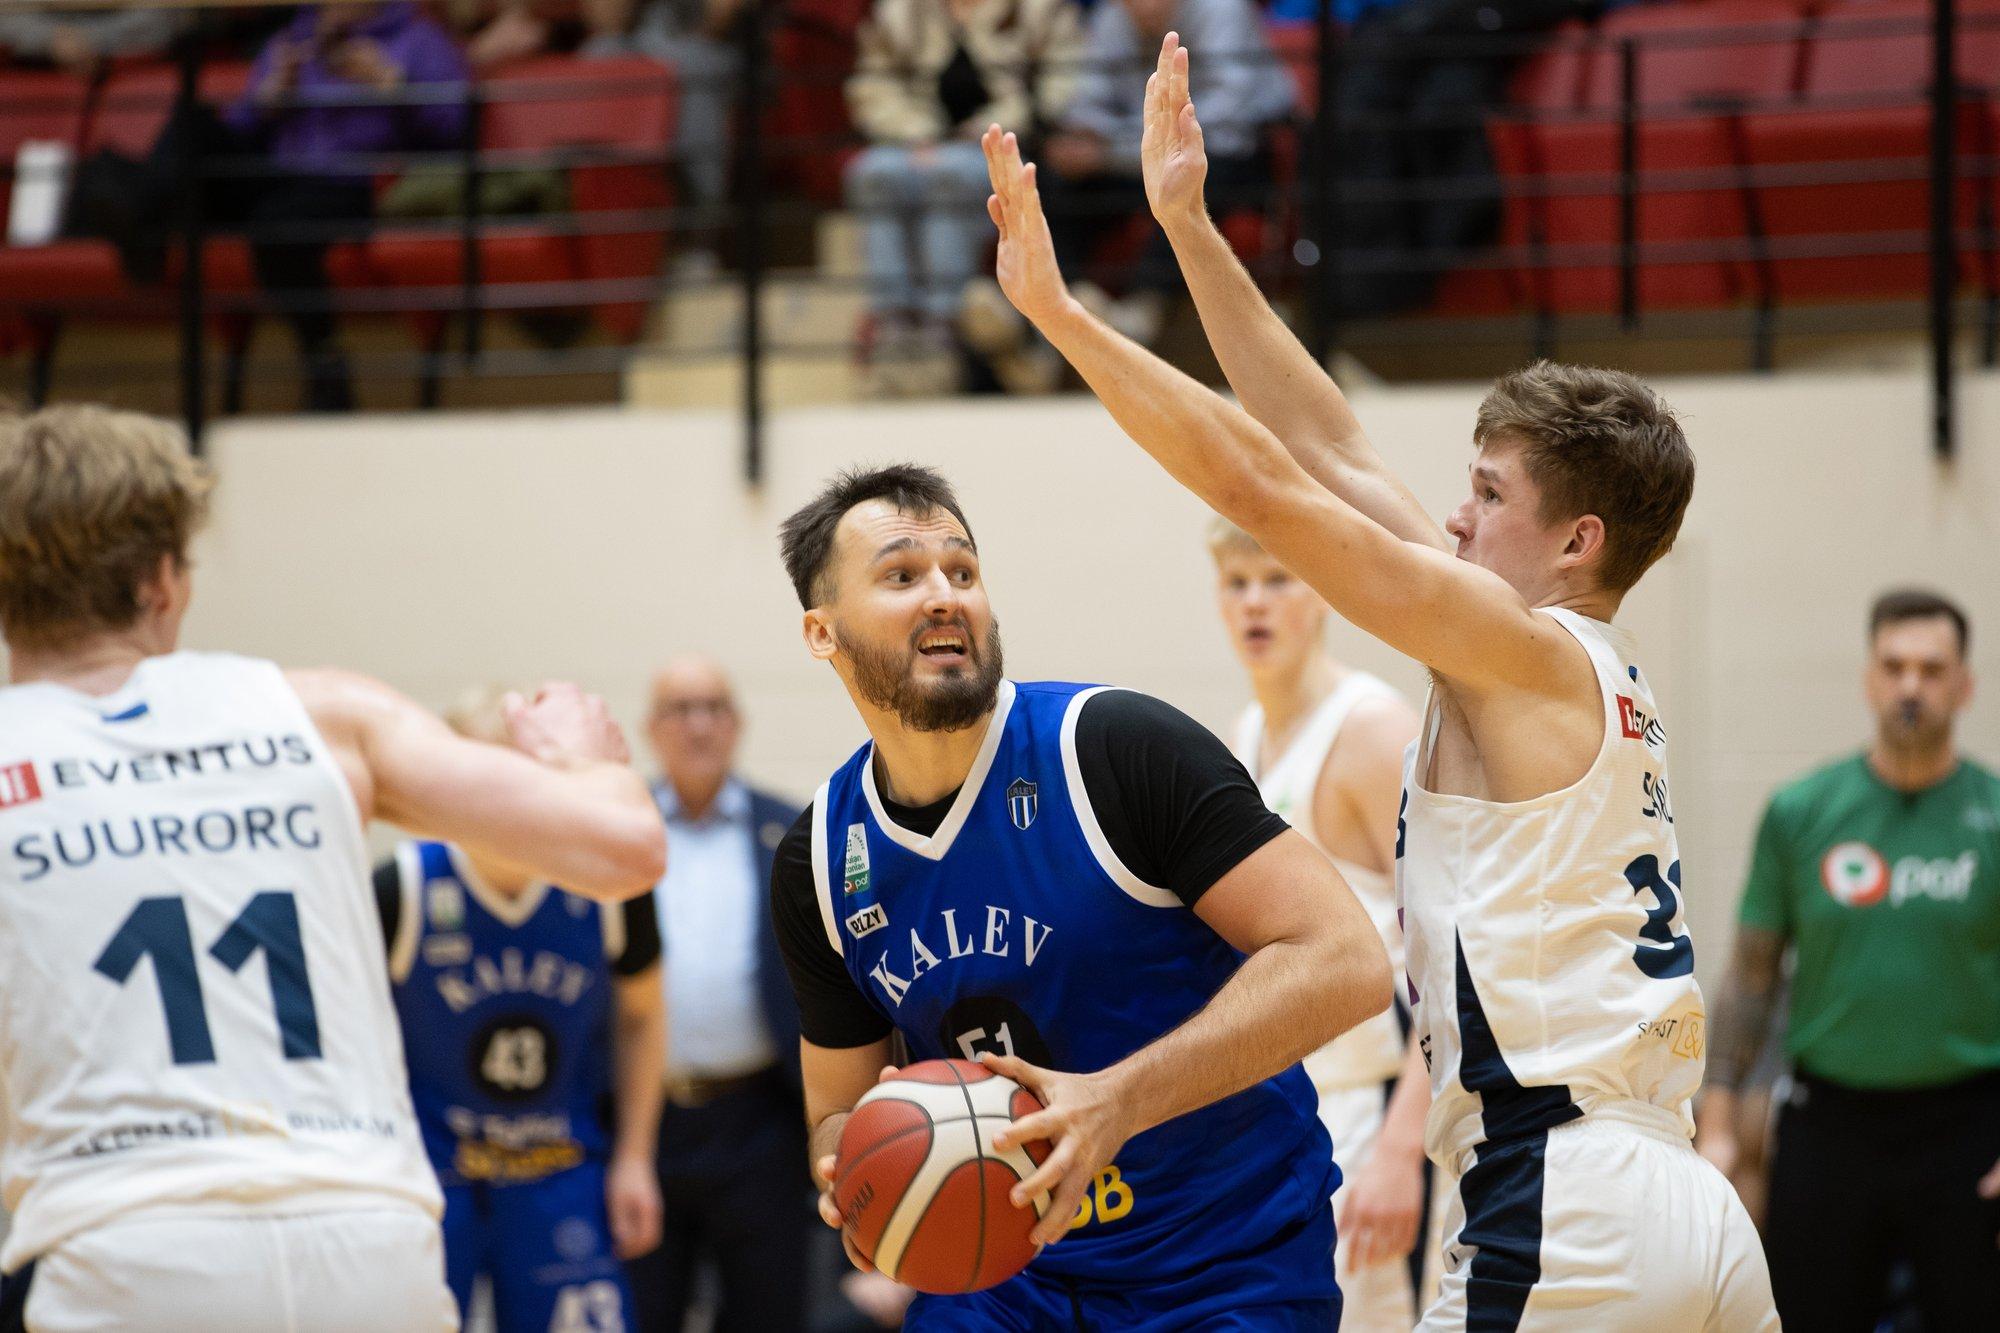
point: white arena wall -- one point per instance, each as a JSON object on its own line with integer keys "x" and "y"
{"x": 445, "y": 549}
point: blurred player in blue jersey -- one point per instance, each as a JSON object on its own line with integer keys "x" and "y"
{"x": 525, "y": 1011}
{"x": 1082, "y": 887}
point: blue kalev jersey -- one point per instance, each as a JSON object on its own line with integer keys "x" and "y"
{"x": 506, "y": 1009}
{"x": 1016, "y": 929}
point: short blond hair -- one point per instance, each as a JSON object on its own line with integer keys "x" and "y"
{"x": 90, "y": 500}
{"x": 480, "y": 713}
{"x": 1226, "y": 536}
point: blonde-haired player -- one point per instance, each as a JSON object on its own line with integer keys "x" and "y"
{"x": 1325, "y": 744}
{"x": 204, "y": 1120}
{"x": 1549, "y": 968}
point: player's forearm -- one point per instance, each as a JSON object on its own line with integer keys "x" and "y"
{"x": 640, "y": 1050}
{"x": 1287, "y": 1000}
{"x": 1409, "y": 1106}
{"x": 1274, "y": 377}
{"x": 1743, "y": 1016}
{"x": 1280, "y": 384}
{"x": 614, "y": 842}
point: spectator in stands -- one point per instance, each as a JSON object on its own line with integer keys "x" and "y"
{"x": 698, "y": 38}
{"x": 81, "y": 40}
{"x": 497, "y": 31}
{"x": 1088, "y": 170}
{"x": 1089, "y": 173}
{"x": 340, "y": 80}
{"x": 732, "y": 1136}
{"x": 932, "y": 74}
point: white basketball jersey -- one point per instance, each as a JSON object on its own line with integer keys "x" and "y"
{"x": 1550, "y": 970}
{"x": 1373, "y": 1051}
{"x": 196, "y": 1007}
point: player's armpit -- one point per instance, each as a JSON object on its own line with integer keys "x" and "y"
{"x": 590, "y": 826}
{"x": 1362, "y": 780}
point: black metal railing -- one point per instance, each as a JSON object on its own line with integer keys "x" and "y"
{"x": 1569, "y": 182}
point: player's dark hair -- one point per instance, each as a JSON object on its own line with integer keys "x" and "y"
{"x": 1597, "y": 442}
{"x": 806, "y": 538}
{"x": 1900, "y": 604}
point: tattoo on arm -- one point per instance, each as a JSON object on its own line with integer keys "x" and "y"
{"x": 1743, "y": 1019}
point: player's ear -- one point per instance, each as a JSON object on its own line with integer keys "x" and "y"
{"x": 1586, "y": 541}
{"x": 817, "y": 629}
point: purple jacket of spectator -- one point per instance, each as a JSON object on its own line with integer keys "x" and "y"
{"x": 311, "y": 132}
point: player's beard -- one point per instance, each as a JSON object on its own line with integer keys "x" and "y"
{"x": 1910, "y": 728}
{"x": 885, "y": 677}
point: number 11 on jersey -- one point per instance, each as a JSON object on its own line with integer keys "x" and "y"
{"x": 158, "y": 929}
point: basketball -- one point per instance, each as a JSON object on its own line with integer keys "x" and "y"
{"x": 921, "y": 1187}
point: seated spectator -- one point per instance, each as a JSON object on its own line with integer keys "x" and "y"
{"x": 1090, "y": 167}
{"x": 932, "y": 75}
{"x": 698, "y": 39}
{"x": 323, "y": 91}
{"x": 81, "y": 40}
{"x": 1088, "y": 170}
{"x": 497, "y": 31}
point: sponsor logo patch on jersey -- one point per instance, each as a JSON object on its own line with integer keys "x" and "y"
{"x": 1854, "y": 873}
{"x": 855, "y": 874}
{"x": 19, "y": 785}
{"x": 868, "y": 920}
{"x": 446, "y": 905}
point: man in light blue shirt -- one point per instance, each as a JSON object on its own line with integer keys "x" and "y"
{"x": 733, "y": 1131}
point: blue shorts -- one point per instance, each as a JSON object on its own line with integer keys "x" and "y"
{"x": 546, "y": 1246}
{"x": 1286, "y": 1286}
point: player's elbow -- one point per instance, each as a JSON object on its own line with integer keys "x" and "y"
{"x": 631, "y": 857}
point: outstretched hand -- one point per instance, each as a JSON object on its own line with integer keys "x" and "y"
{"x": 1172, "y": 156}
{"x": 1026, "y": 265}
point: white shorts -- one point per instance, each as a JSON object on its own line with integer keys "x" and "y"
{"x": 1376, "y": 1299}
{"x": 1600, "y": 1225}
{"x": 380, "y": 1269}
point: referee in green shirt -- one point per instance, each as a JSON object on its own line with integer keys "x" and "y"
{"x": 1881, "y": 871}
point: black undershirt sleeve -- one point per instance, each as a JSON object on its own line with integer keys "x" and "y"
{"x": 832, "y": 1011}
{"x": 388, "y": 899}
{"x": 1174, "y": 803}
{"x": 642, "y": 936}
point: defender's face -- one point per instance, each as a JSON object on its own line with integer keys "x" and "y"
{"x": 911, "y": 627}
{"x": 1273, "y": 617}
{"x": 1917, "y": 681}
{"x": 1499, "y": 525}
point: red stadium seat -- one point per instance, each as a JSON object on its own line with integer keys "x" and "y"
{"x": 533, "y": 107}
{"x": 1694, "y": 67}
{"x": 1846, "y": 173}
{"x": 1547, "y": 87}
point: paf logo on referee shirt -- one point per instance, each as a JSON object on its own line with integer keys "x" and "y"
{"x": 18, "y": 784}
{"x": 1855, "y": 874}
